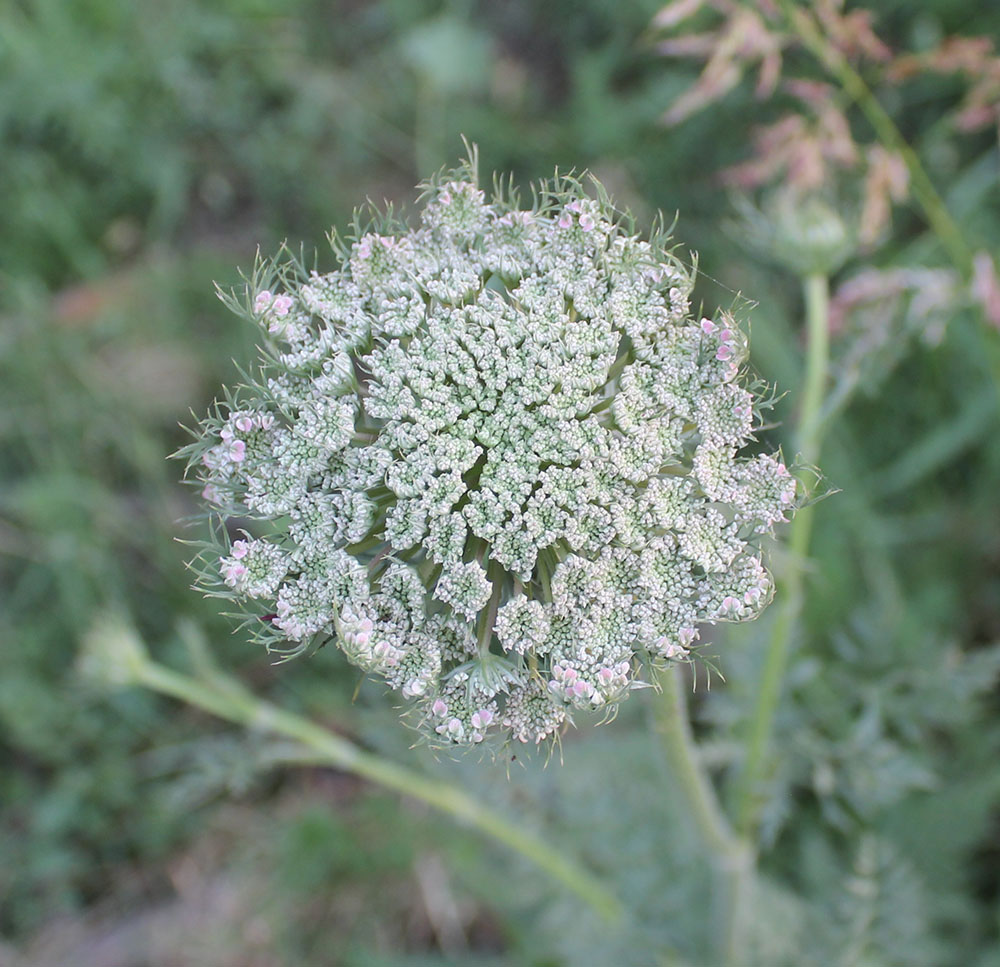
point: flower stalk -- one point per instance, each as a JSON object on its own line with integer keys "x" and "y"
{"x": 790, "y": 588}
{"x": 732, "y": 855}
{"x": 225, "y": 698}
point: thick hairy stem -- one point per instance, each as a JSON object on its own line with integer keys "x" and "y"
{"x": 790, "y": 589}
{"x": 732, "y": 857}
{"x": 225, "y": 698}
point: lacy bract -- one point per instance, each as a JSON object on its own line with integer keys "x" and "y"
{"x": 494, "y": 458}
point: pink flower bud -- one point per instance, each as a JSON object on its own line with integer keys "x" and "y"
{"x": 233, "y": 572}
{"x": 687, "y": 635}
{"x": 481, "y": 719}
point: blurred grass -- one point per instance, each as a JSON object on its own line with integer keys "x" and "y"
{"x": 146, "y": 149}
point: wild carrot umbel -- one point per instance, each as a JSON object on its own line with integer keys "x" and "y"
{"x": 494, "y": 457}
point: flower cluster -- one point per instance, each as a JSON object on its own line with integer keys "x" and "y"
{"x": 495, "y": 459}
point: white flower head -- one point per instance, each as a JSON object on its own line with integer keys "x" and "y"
{"x": 495, "y": 458}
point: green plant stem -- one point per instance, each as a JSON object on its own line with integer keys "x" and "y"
{"x": 732, "y": 857}
{"x": 228, "y": 700}
{"x": 790, "y": 591}
{"x": 944, "y": 226}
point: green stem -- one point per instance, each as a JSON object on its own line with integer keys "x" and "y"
{"x": 732, "y": 856}
{"x": 937, "y": 214}
{"x": 228, "y": 700}
{"x": 816, "y": 289}
{"x": 790, "y": 591}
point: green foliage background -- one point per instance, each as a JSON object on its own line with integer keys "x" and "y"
{"x": 146, "y": 149}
